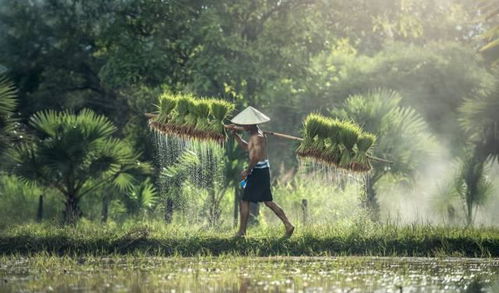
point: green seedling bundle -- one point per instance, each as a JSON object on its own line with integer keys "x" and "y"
{"x": 191, "y": 118}
{"x": 342, "y": 144}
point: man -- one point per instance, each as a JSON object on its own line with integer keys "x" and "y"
{"x": 257, "y": 174}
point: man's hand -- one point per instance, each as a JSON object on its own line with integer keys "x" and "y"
{"x": 232, "y": 128}
{"x": 245, "y": 173}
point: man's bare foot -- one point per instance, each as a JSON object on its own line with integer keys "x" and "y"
{"x": 289, "y": 231}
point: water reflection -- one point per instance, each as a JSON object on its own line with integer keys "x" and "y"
{"x": 249, "y": 274}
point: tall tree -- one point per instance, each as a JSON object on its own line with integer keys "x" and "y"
{"x": 481, "y": 124}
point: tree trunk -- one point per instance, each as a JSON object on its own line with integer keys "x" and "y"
{"x": 304, "y": 209}
{"x": 469, "y": 210}
{"x": 213, "y": 209}
{"x": 370, "y": 202}
{"x": 169, "y": 210}
{"x": 105, "y": 209}
{"x": 39, "y": 212}
{"x": 254, "y": 213}
{"x": 72, "y": 212}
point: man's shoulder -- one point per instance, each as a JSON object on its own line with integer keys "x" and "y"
{"x": 257, "y": 138}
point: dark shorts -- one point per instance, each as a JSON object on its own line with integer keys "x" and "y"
{"x": 258, "y": 186}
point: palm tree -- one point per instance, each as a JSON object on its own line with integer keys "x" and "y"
{"x": 76, "y": 154}
{"x": 471, "y": 183}
{"x": 480, "y": 122}
{"x": 7, "y": 106}
{"x": 403, "y": 137}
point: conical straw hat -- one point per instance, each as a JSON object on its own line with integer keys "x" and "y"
{"x": 250, "y": 116}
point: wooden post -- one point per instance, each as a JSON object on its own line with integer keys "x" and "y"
{"x": 105, "y": 209}
{"x": 39, "y": 212}
{"x": 169, "y": 210}
{"x": 304, "y": 209}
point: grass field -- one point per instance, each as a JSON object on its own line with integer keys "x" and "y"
{"x": 155, "y": 238}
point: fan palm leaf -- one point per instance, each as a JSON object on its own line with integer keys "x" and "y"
{"x": 7, "y": 107}
{"x": 480, "y": 120}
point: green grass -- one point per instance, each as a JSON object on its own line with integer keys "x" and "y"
{"x": 322, "y": 240}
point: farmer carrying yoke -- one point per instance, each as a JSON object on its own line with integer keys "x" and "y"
{"x": 257, "y": 174}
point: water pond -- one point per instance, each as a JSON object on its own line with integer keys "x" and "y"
{"x": 247, "y": 274}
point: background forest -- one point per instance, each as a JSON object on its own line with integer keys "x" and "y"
{"x": 78, "y": 76}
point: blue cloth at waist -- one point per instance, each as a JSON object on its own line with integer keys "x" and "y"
{"x": 262, "y": 164}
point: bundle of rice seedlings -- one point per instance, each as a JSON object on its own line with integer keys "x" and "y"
{"x": 334, "y": 142}
{"x": 316, "y": 129}
{"x": 310, "y": 126}
{"x": 364, "y": 143}
{"x": 220, "y": 109}
{"x": 333, "y": 151}
{"x": 321, "y": 134}
{"x": 191, "y": 118}
{"x": 202, "y": 112}
{"x": 182, "y": 109}
{"x": 312, "y": 123}
{"x": 334, "y": 130}
{"x": 349, "y": 134}
{"x": 167, "y": 103}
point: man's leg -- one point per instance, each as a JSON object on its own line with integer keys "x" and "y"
{"x": 243, "y": 220}
{"x": 280, "y": 213}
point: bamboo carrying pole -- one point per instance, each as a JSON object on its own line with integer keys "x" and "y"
{"x": 267, "y": 132}
{"x": 301, "y": 139}
{"x": 287, "y": 136}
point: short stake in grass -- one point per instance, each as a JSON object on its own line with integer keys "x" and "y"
{"x": 332, "y": 142}
{"x": 191, "y": 118}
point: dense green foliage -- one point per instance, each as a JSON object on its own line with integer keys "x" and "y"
{"x": 84, "y": 73}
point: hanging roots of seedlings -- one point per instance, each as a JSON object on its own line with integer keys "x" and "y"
{"x": 342, "y": 144}
{"x": 191, "y": 118}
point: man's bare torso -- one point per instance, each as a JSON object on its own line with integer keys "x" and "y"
{"x": 257, "y": 146}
